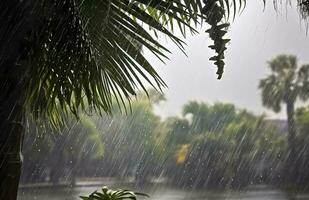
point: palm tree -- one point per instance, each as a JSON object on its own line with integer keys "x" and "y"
{"x": 68, "y": 56}
{"x": 286, "y": 83}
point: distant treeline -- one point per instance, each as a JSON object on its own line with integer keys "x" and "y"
{"x": 210, "y": 145}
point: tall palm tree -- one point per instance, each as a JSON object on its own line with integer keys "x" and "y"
{"x": 286, "y": 83}
{"x": 62, "y": 56}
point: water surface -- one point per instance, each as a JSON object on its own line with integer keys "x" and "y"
{"x": 164, "y": 193}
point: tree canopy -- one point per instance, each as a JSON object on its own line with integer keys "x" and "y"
{"x": 81, "y": 54}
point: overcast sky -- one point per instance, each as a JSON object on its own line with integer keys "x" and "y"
{"x": 257, "y": 36}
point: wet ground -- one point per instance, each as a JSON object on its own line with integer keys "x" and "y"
{"x": 160, "y": 192}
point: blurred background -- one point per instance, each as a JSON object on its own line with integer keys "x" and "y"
{"x": 203, "y": 138}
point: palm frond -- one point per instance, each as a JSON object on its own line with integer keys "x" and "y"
{"x": 84, "y": 53}
{"x": 303, "y": 6}
{"x": 217, "y": 13}
{"x": 109, "y": 194}
{"x": 272, "y": 93}
{"x": 303, "y": 82}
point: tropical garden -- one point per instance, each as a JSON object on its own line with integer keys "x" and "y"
{"x": 210, "y": 146}
{"x": 70, "y": 70}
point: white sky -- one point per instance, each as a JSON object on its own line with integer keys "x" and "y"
{"x": 257, "y": 36}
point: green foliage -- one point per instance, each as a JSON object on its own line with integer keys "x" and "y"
{"x": 215, "y": 13}
{"x": 215, "y": 145}
{"x": 209, "y": 118}
{"x": 228, "y": 147}
{"x": 68, "y": 147}
{"x": 136, "y": 138}
{"x": 301, "y": 178}
{"x": 82, "y": 54}
{"x": 109, "y": 194}
{"x": 80, "y": 146}
{"x": 286, "y": 83}
{"x": 302, "y": 116}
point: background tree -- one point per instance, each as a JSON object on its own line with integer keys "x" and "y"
{"x": 241, "y": 151}
{"x": 302, "y": 148}
{"x": 224, "y": 147}
{"x": 131, "y": 142}
{"x": 208, "y": 117}
{"x": 286, "y": 83}
{"x": 50, "y": 156}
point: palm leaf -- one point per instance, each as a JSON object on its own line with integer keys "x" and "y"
{"x": 84, "y": 53}
{"x": 109, "y": 194}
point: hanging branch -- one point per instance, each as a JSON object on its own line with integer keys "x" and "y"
{"x": 215, "y": 13}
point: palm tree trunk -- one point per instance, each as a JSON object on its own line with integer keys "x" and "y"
{"x": 15, "y": 23}
{"x": 11, "y": 127}
{"x": 290, "y": 165}
{"x": 11, "y": 131}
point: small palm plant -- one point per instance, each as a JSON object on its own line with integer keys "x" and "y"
{"x": 109, "y": 194}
